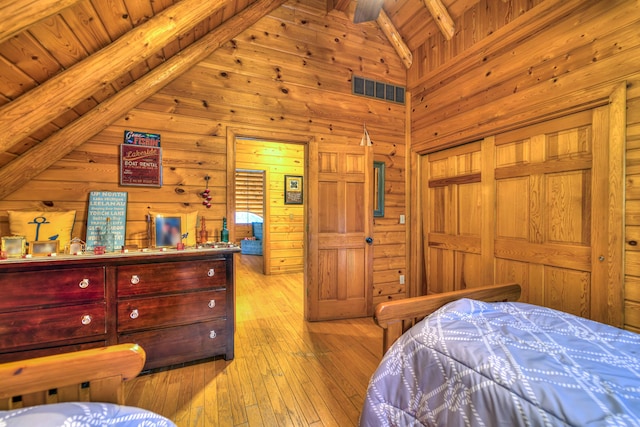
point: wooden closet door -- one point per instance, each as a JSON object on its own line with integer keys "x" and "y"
{"x": 532, "y": 206}
{"x": 551, "y": 198}
{"x": 453, "y": 200}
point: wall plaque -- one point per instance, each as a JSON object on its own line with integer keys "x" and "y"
{"x": 141, "y": 138}
{"x": 103, "y": 205}
{"x": 140, "y": 165}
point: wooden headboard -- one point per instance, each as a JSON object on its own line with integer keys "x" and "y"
{"x": 95, "y": 375}
{"x": 395, "y": 317}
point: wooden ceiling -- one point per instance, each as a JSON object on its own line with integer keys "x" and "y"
{"x": 59, "y": 59}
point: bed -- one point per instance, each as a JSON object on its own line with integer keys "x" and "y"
{"x": 83, "y": 388}
{"x": 474, "y": 362}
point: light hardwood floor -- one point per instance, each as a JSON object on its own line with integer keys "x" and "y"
{"x": 286, "y": 372}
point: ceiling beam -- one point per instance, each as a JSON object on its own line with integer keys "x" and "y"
{"x": 394, "y": 38}
{"x": 20, "y": 171}
{"x": 21, "y": 117}
{"x": 442, "y": 18}
{"x": 341, "y": 5}
{"x": 18, "y": 15}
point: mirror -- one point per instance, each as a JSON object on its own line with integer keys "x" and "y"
{"x": 378, "y": 189}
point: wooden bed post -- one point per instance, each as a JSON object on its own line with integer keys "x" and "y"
{"x": 105, "y": 369}
{"x": 395, "y": 317}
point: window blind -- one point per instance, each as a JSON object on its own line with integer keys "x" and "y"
{"x": 250, "y": 191}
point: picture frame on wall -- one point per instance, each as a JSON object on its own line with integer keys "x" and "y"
{"x": 293, "y": 190}
{"x": 378, "y": 189}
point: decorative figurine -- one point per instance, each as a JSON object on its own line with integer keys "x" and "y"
{"x": 204, "y": 235}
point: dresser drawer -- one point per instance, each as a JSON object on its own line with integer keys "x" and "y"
{"x": 58, "y": 349}
{"x": 31, "y": 327}
{"x": 143, "y": 313}
{"x": 50, "y": 287}
{"x": 170, "y": 346}
{"x": 134, "y": 280}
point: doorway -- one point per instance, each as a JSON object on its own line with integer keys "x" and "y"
{"x": 282, "y": 229}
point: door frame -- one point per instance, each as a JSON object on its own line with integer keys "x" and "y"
{"x": 262, "y": 134}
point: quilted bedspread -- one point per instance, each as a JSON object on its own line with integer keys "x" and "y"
{"x": 82, "y": 414}
{"x": 473, "y": 363}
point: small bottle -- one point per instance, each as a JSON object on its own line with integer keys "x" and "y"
{"x": 108, "y": 237}
{"x": 204, "y": 236}
{"x": 224, "y": 233}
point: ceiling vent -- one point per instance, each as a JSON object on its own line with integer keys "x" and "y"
{"x": 378, "y": 90}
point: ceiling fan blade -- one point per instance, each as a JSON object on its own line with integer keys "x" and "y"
{"x": 367, "y": 10}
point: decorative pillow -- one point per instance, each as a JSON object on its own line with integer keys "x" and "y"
{"x": 188, "y": 225}
{"x": 42, "y": 226}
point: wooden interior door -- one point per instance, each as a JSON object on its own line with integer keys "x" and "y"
{"x": 454, "y": 221}
{"x": 338, "y": 271}
{"x": 551, "y": 198}
{"x": 530, "y": 206}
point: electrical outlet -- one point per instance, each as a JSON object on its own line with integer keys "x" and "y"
{"x": 402, "y": 279}
{"x": 401, "y": 219}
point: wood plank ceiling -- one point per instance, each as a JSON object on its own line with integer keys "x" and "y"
{"x": 70, "y": 67}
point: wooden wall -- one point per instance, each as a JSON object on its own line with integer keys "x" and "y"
{"x": 474, "y": 24}
{"x": 632, "y": 217}
{"x": 558, "y": 58}
{"x": 283, "y": 247}
{"x": 287, "y": 78}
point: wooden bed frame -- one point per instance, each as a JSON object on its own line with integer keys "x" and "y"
{"x": 395, "y": 317}
{"x": 95, "y": 375}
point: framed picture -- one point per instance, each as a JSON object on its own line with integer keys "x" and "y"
{"x": 378, "y": 189}
{"x": 14, "y": 246}
{"x": 292, "y": 190}
{"x": 167, "y": 231}
{"x": 44, "y": 247}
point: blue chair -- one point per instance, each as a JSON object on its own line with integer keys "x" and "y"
{"x": 253, "y": 247}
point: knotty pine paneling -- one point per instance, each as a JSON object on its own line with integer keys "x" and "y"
{"x": 556, "y": 56}
{"x": 632, "y": 208}
{"x": 291, "y": 74}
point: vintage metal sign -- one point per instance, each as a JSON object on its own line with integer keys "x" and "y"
{"x": 140, "y": 165}
{"x": 141, "y": 138}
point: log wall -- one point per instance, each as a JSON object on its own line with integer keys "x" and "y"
{"x": 632, "y": 210}
{"x": 288, "y": 76}
{"x": 558, "y": 58}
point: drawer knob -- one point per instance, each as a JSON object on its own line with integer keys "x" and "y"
{"x": 212, "y": 303}
{"x": 212, "y": 334}
{"x": 86, "y": 319}
{"x": 135, "y": 279}
{"x": 211, "y": 272}
{"x": 84, "y": 283}
{"x": 134, "y": 314}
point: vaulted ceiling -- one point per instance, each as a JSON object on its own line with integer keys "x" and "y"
{"x": 60, "y": 59}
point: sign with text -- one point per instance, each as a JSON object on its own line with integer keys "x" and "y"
{"x": 141, "y": 138}
{"x": 140, "y": 165}
{"x": 103, "y": 205}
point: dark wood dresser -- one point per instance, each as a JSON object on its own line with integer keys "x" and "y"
{"x": 178, "y": 305}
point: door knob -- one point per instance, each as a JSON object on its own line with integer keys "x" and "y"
{"x": 369, "y": 240}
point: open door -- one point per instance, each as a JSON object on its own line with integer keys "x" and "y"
{"x": 340, "y": 219}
